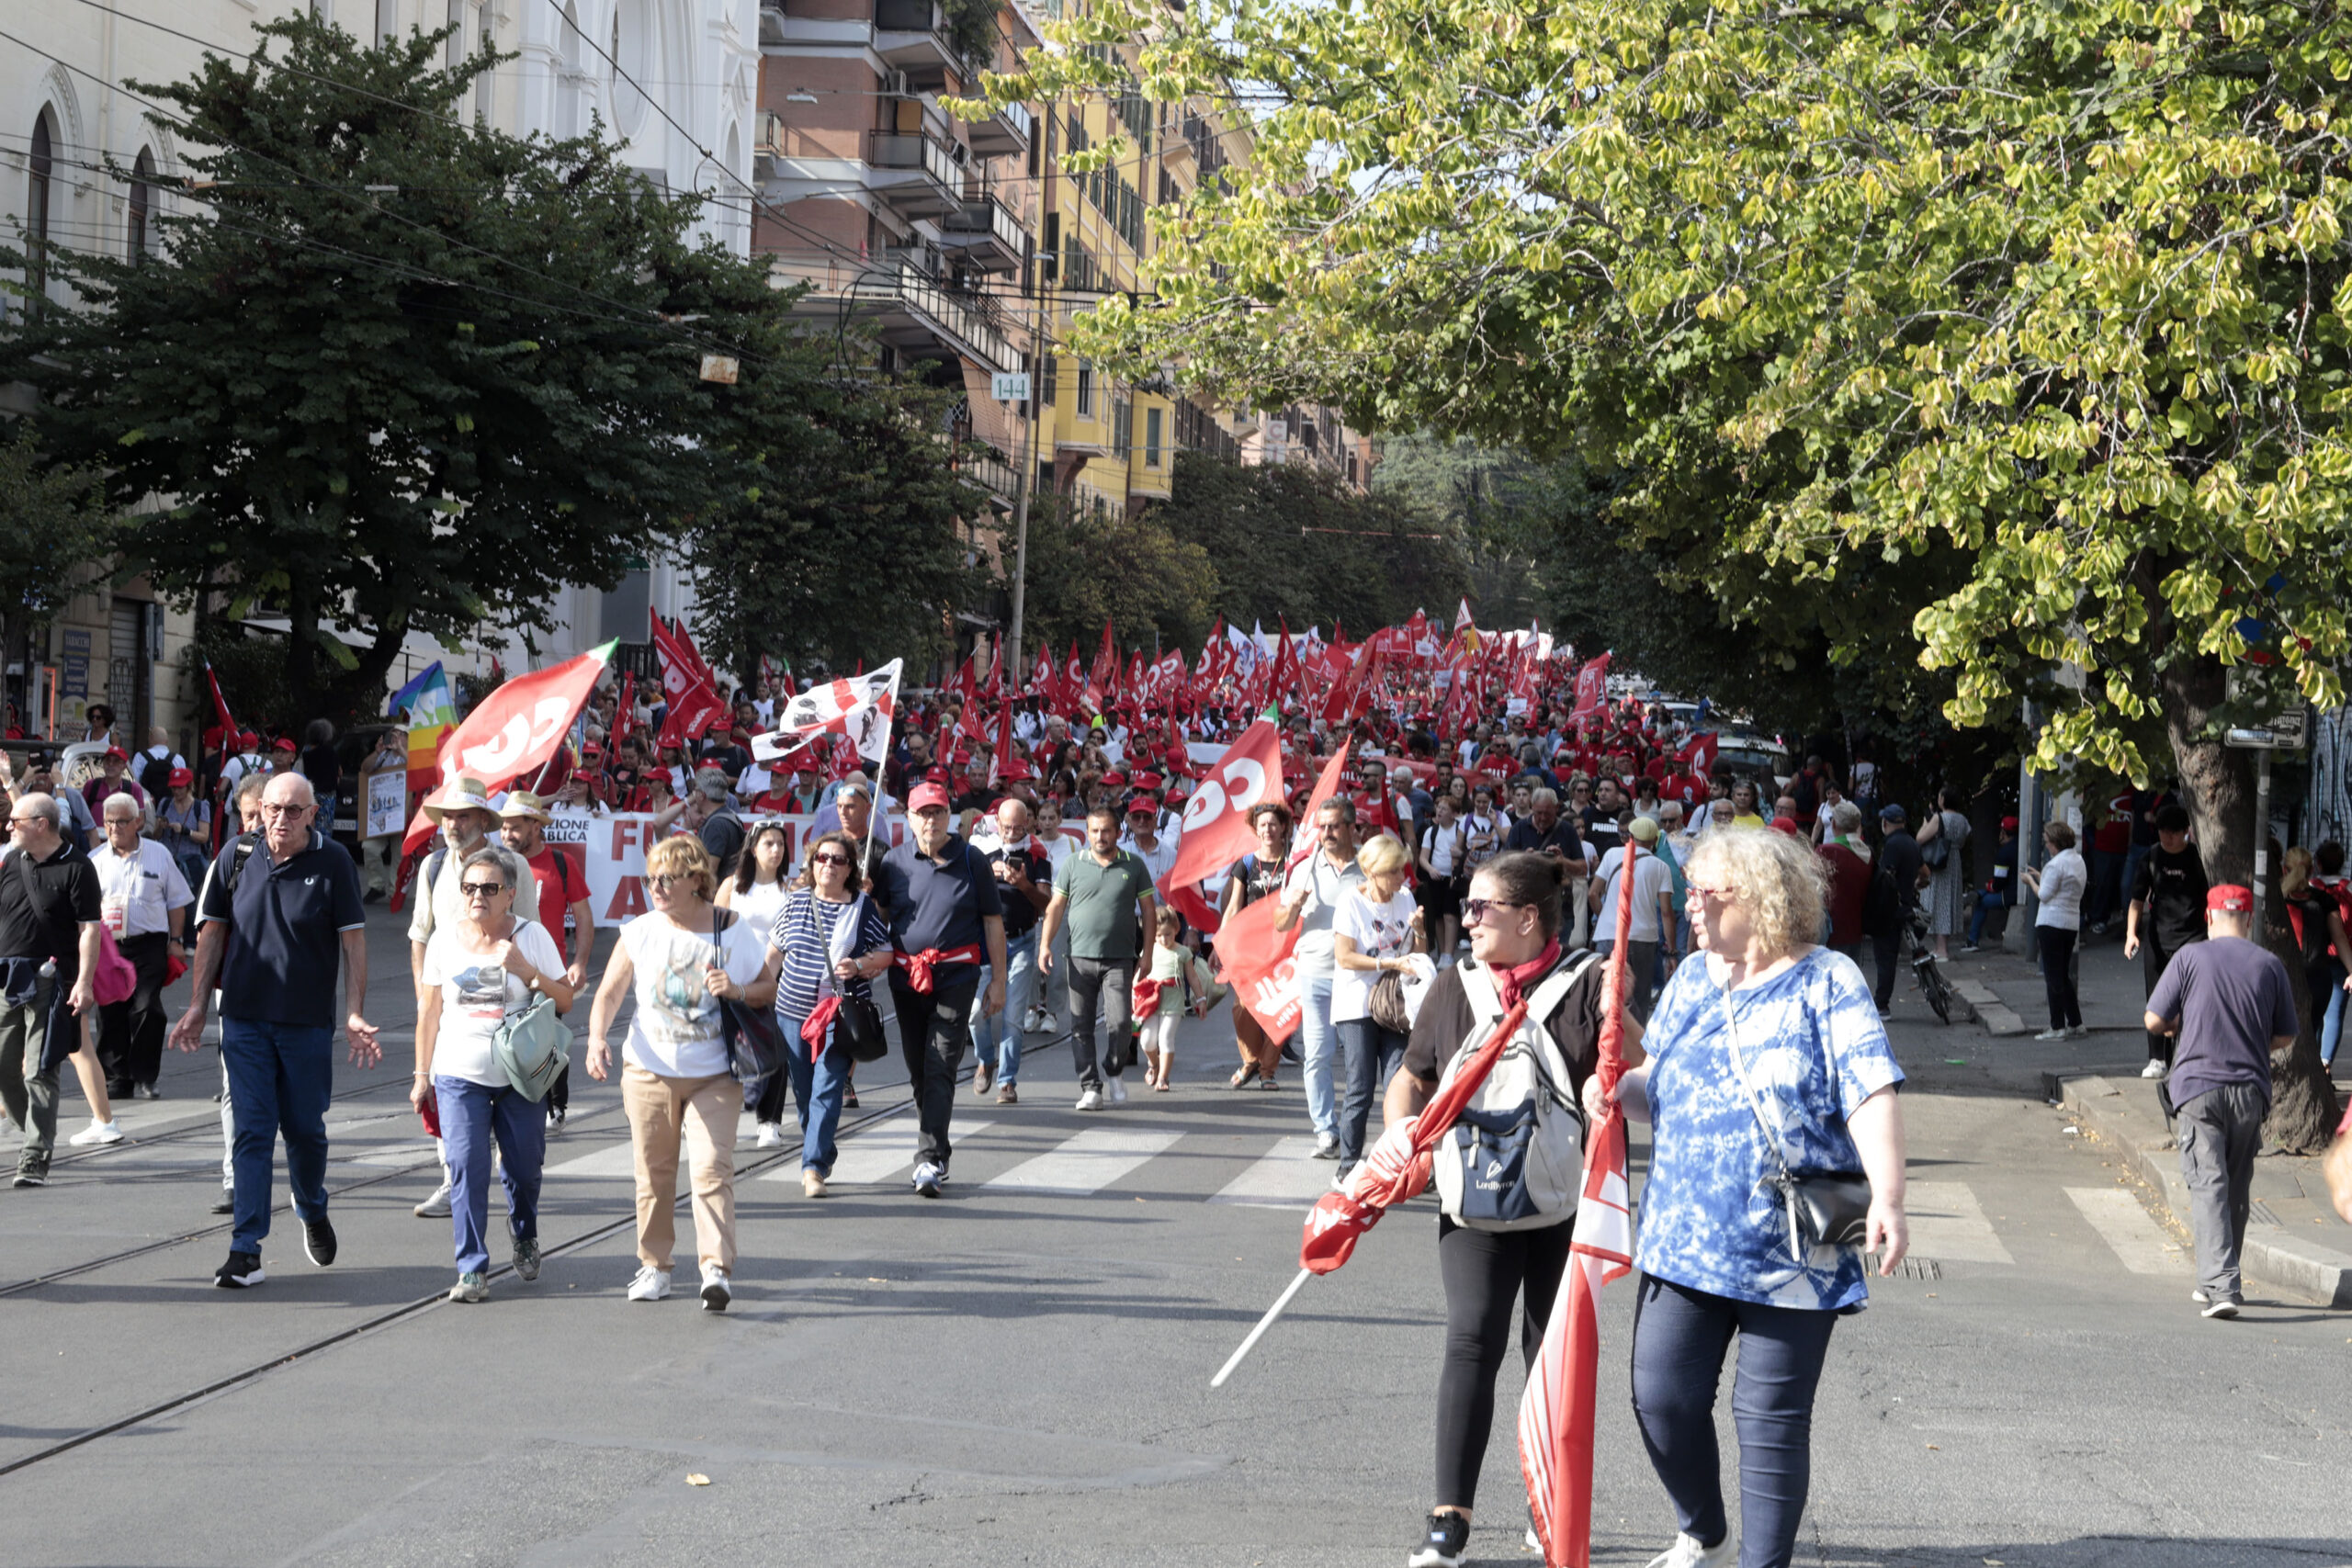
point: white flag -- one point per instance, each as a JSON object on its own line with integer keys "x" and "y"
{"x": 861, "y": 707}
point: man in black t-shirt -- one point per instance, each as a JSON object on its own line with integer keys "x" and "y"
{"x": 2168, "y": 913}
{"x": 1025, "y": 878}
{"x": 49, "y": 909}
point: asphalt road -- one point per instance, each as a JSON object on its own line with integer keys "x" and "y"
{"x": 1018, "y": 1371}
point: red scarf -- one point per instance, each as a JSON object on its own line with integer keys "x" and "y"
{"x": 918, "y": 965}
{"x": 1509, "y": 983}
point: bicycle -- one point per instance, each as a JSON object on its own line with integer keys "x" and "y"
{"x": 1932, "y": 984}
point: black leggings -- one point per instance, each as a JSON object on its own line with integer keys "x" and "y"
{"x": 2058, "y": 977}
{"x": 1484, "y": 1271}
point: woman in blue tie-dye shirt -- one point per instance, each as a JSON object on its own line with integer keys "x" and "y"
{"x": 1768, "y": 1057}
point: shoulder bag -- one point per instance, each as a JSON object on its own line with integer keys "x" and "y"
{"x": 1832, "y": 1206}
{"x": 532, "y": 1046}
{"x": 857, "y": 1022}
{"x": 755, "y": 1044}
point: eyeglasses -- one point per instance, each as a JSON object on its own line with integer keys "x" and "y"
{"x": 831, "y": 859}
{"x": 481, "y": 889}
{"x": 269, "y": 810}
{"x": 1707, "y": 895}
{"x": 1473, "y": 910}
{"x": 664, "y": 881}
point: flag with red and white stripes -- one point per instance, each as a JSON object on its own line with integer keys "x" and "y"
{"x": 860, "y": 707}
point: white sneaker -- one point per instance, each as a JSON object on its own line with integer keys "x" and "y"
{"x": 1032, "y": 1022}
{"x": 1090, "y": 1100}
{"x": 1326, "y": 1146}
{"x": 651, "y": 1284}
{"x": 771, "y": 1136}
{"x": 927, "y": 1180}
{"x": 2052, "y": 1034}
{"x": 436, "y": 1207}
{"x": 1686, "y": 1552}
{"x": 2154, "y": 1069}
{"x": 97, "y": 1132}
{"x": 716, "y": 1289}
{"x": 1118, "y": 1091}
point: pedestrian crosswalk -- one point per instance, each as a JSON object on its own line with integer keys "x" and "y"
{"x": 1022, "y": 1158}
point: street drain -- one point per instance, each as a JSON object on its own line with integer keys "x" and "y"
{"x": 1919, "y": 1268}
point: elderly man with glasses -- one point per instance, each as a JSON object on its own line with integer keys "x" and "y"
{"x": 277, "y": 919}
{"x": 143, "y": 899}
{"x": 49, "y": 911}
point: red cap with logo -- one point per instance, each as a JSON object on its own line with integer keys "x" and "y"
{"x": 923, "y": 797}
{"x": 2229, "y": 898}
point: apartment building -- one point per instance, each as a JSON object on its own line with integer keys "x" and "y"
{"x": 674, "y": 79}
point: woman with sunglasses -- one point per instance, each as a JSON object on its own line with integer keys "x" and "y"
{"x": 1768, "y": 1058}
{"x": 683, "y": 957}
{"x": 1513, "y": 916}
{"x": 821, "y": 960}
{"x": 756, "y": 892}
{"x": 477, "y": 970}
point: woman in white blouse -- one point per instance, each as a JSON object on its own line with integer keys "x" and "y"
{"x": 2056, "y": 922}
{"x": 1375, "y": 929}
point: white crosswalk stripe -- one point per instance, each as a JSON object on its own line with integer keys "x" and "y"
{"x": 2137, "y": 1241}
{"x": 1948, "y": 1224}
{"x": 1290, "y": 1177}
{"x": 1087, "y": 1163}
{"x": 878, "y": 1154}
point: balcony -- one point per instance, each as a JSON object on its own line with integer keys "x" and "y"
{"x": 918, "y": 177}
{"x": 986, "y": 233}
{"x": 992, "y": 474}
{"x": 913, "y": 35}
{"x": 1007, "y": 131}
{"x": 911, "y": 311}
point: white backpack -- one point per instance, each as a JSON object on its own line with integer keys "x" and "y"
{"x": 1514, "y": 1158}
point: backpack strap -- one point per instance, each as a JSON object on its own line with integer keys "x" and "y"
{"x": 240, "y": 853}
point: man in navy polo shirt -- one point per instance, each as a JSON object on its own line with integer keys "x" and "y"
{"x": 271, "y": 927}
{"x": 947, "y": 919}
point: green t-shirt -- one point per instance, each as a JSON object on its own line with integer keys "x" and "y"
{"x": 1102, "y": 900}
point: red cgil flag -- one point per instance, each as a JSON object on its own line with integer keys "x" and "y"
{"x": 1217, "y": 829}
{"x": 1592, "y": 687}
{"x": 1556, "y": 1413}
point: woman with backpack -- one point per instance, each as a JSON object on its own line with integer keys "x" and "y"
{"x": 480, "y": 971}
{"x": 1765, "y": 1060}
{"x": 1497, "y": 1243}
{"x": 1941, "y": 838}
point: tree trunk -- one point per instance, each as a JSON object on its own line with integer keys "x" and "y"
{"x": 2303, "y": 1109}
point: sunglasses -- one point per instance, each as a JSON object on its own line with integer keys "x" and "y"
{"x": 831, "y": 859}
{"x": 1473, "y": 910}
{"x": 665, "y": 882}
{"x": 481, "y": 889}
{"x": 1710, "y": 894}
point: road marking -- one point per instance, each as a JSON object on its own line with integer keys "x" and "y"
{"x": 613, "y": 1160}
{"x": 1290, "y": 1177}
{"x": 1091, "y": 1160}
{"x": 2137, "y": 1241}
{"x": 1948, "y": 1224}
{"x": 877, "y": 1155}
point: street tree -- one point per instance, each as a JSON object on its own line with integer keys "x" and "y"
{"x": 2057, "y": 286}
{"x": 55, "y": 524}
{"x": 399, "y": 373}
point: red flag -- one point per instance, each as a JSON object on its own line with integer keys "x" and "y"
{"x": 220, "y": 707}
{"x": 1556, "y": 1413}
{"x": 1042, "y": 680}
{"x": 1697, "y": 753}
{"x": 1217, "y": 829}
{"x": 686, "y": 687}
{"x": 1073, "y": 681}
{"x": 625, "y": 715}
{"x": 1335, "y": 774}
{"x": 516, "y": 728}
{"x": 1257, "y": 964}
{"x": 1106, "y": 663}
{"x": 1592, "y": 687}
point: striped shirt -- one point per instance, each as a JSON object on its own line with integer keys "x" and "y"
{"x": 803, "y": 932}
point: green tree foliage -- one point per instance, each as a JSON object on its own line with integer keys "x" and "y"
{"x": 2014, "y": 323}
{"x": 53, "y": 521}
{"x": 1154, "y": 588}
{"x": 1289, "y": 541}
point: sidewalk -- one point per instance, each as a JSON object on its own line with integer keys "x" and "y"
{"x": 2295, "y": 1239}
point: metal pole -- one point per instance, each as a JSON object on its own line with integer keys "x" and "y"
{"x": 2261, "y": 834}
{"x": 1028, "y": 476}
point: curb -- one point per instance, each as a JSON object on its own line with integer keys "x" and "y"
{"x": 1986, "y": 1007}
{"x": 2133, "y": 1123}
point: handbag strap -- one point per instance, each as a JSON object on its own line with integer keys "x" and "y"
{"x": 1748, "y": 1089}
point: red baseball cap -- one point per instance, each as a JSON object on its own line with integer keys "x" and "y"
{"x": 180, "y": 777}
{"x": 923, "y": 797}
{"x": 286, "y": 743}
{"x": 2229, "y": 898}
{"x": 117, "y": 754}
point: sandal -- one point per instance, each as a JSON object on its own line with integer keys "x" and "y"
{"x": 1268, "y": 1082}
{"x": 1240, "y": 1079}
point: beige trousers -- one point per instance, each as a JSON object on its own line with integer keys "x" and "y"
{"x": 703, "y": 1112}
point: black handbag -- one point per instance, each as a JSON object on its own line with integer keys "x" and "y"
{"x": 755, "y": 1043}
{"x": 1833, "y": 1207}
{"x": 858, "y": 1025}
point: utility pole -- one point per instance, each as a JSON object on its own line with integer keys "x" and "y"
{"x": 1028, "y": 475}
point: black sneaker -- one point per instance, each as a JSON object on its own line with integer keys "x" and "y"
{"x": 243, "y": 1272}
{"x": 1443, "y": 1544}
{"x": 32, "y": 1170}
{"x": 227, "y": 1205}
{"x": 527, "y": 1258}
{"x": 318, "y": 1241}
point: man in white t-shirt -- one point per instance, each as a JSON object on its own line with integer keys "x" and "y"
{"x": 1652, "y": 910}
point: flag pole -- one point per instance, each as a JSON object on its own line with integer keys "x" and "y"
{"x": 1258, "y": 1332}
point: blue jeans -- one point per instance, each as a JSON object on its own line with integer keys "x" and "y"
{"x": 1985, "y": 904}
{"x": 1680, "y": 1336}
{"x": 1373, "y": 1055}
{"x": 817, "y": 1089}
{"x": 280, "y": 1076}
{"x": 1019, "y": 988}
{"x": 1318, "y": 1047}
{"x": 2331, "y": 1028}
{"x": 471, "y": 1115}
